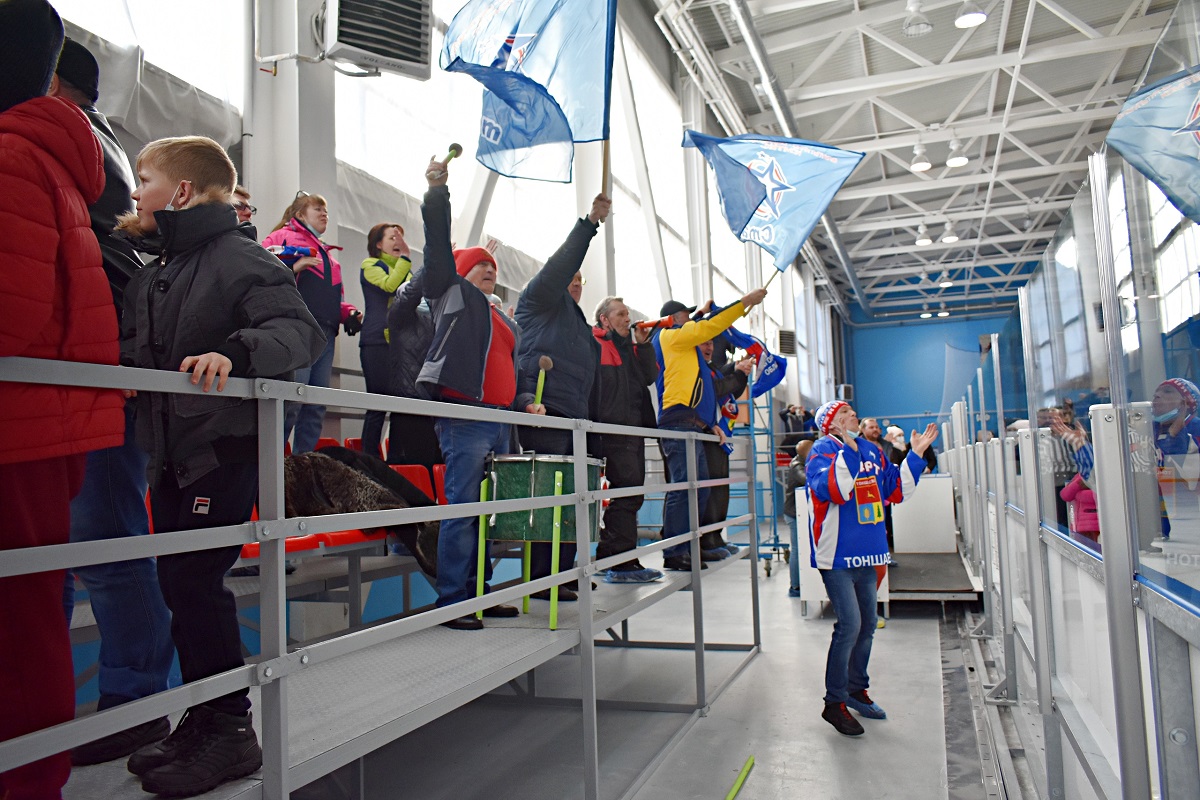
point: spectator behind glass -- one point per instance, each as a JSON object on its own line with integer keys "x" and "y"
{"x": 54, "y": 304}
{"x": 319, "y": 279}
{"x": 214, "y": 304}
{"x": 386, "y": 267}
{"x": 241, "y": 203}
{"x": 135, "y": 626}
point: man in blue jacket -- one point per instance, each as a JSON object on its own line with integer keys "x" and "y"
{"x": 552, "y": 324}
{"x": 848, "y": 480}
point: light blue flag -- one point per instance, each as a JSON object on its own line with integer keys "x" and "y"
{"x": 1158, "y": 132}
{"x": 546, "y": 66}
{"x": 774, "y": 190}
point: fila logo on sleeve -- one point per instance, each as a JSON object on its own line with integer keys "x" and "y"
{"x": 200, "y": 505}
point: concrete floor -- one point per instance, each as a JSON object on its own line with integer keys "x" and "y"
{"x": 509, "y": 747}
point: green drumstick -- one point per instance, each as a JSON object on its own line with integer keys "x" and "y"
{"x": 545, "y": 364}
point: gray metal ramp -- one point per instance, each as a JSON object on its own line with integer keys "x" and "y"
{"x": 931, "y": 576}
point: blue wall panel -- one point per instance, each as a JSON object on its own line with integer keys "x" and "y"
{"x": 898, "y": 371}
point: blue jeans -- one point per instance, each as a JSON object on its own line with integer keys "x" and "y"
{"x": 307, "y": 419}
{"x": 135, "y": 627}
{"x": 675, "y": 509}
{"x": 465, "y": 445}
{"x": 853, "y": 597}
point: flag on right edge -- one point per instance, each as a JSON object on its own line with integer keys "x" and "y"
{"x": 1158, "y": 132}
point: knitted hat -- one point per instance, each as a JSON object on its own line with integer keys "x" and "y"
{"x": 77, "y": 66}
{"x": 31, "y": 35}
{"x": 1186, "y": 389}
{"x": 467, "y": 259}
{"x": 826, "y": 413}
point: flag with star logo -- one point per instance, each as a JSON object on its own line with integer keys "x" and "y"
{"x": 546, "y": 68}
{"x": 774, "y": 190}
{"x": 1158, "y": 132}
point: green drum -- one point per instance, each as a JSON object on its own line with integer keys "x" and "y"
{"x": 530, "y": 475}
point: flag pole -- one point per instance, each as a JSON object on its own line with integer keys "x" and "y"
{"x": 773, "y": 277}
{"x": 606, "y": 173}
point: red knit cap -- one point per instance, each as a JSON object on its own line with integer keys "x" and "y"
{"x": 467, "y": 259}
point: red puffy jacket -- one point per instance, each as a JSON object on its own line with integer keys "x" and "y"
{"x": 55, "y": 301}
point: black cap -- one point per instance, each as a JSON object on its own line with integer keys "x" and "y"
{"x": 77, "y": 66}
{"x": 674, "y": 306}
{"x": 31, "y": 35}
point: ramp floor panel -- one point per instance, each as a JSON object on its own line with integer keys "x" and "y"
{"x": 930, "y": 572}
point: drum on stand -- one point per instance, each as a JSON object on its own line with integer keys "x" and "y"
{"x": 531, "y": 475}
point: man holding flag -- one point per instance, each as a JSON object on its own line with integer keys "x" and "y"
{"x": 687, "y": 402}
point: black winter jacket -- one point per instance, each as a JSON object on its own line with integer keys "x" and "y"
{"x": 552, "y": 324}
{"x": 626, "y": 373}
{"x": 213, "y": 288}
{"x": 410, "y": 331}
{"x": 462, "y": 315}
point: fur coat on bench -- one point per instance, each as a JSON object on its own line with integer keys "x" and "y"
{"x": 316, "y": 484}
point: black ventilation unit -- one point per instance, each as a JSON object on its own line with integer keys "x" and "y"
{"x": 385, "y": 35}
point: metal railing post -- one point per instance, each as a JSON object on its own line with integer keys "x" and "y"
{"x": 273, "y": 712}
{"x": 587, "y": 638}
{"x": 693, "y": 471}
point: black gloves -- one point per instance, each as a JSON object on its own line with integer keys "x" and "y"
{"x": 353, "y": 323}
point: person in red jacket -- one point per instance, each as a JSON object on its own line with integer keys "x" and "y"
{"x": 54, "y": 304}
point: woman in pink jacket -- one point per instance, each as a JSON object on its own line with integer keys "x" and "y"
{"x": 1083, "y": 517}
{"x": 296, "y": 240}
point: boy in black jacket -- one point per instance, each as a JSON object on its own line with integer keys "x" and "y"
{"x": 213, "y": 303}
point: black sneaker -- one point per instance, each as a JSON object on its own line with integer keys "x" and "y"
{"x": 468, "y": 623}
{"x": 841, "y": 719}
{"x": 166, "y": 751}
{"x": 565, "y": 595}
{"x": 223, "y": 749}
{"x": 121, "y": 743}
{"x": 681, "y": 563}
{"x": 501, "y": 611}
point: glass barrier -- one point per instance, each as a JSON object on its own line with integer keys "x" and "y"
{"x": 1069, "y": 373}
{"x": 1156, "y": 249}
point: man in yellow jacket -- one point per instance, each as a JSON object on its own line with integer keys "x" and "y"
{"x": 686, "y": 402}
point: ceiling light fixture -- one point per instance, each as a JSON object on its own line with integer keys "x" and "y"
{"x": 920, "y": 162}
{"x": 923, "y": 237}
{"x": 916, "y": 23}
{"x": 970, "y": 15}
{"x": 949, "y": 236}
{"x": 925, "y": 312}
{"x": 943, "y": 313}
{"x": 958, "y": 157}
{"x": 944, "y": 282}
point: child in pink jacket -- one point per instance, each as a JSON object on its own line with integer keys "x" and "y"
{"x": 1083, "y": 519}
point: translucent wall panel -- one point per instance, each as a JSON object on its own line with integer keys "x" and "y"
{"x": 212, "y": 56}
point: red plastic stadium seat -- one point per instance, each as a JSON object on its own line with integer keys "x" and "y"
{"x": 287, "y": 449}
{"x": 343, "y": 538}
{"x": 326, "y": 441}
{"x": 355, "y": 443}
{"x": 439, "y": 483}
{"x": 417, "y": 475}
{"x": 292, "y": 545}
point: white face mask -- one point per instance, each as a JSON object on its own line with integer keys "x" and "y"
{"x": 171, "y": 204}
{"x": 852, "y": 434}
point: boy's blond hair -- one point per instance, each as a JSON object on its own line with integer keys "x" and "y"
{"x": 197, "y": 159}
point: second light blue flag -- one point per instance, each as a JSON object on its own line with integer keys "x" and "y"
{"x": 774, "y": 190}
